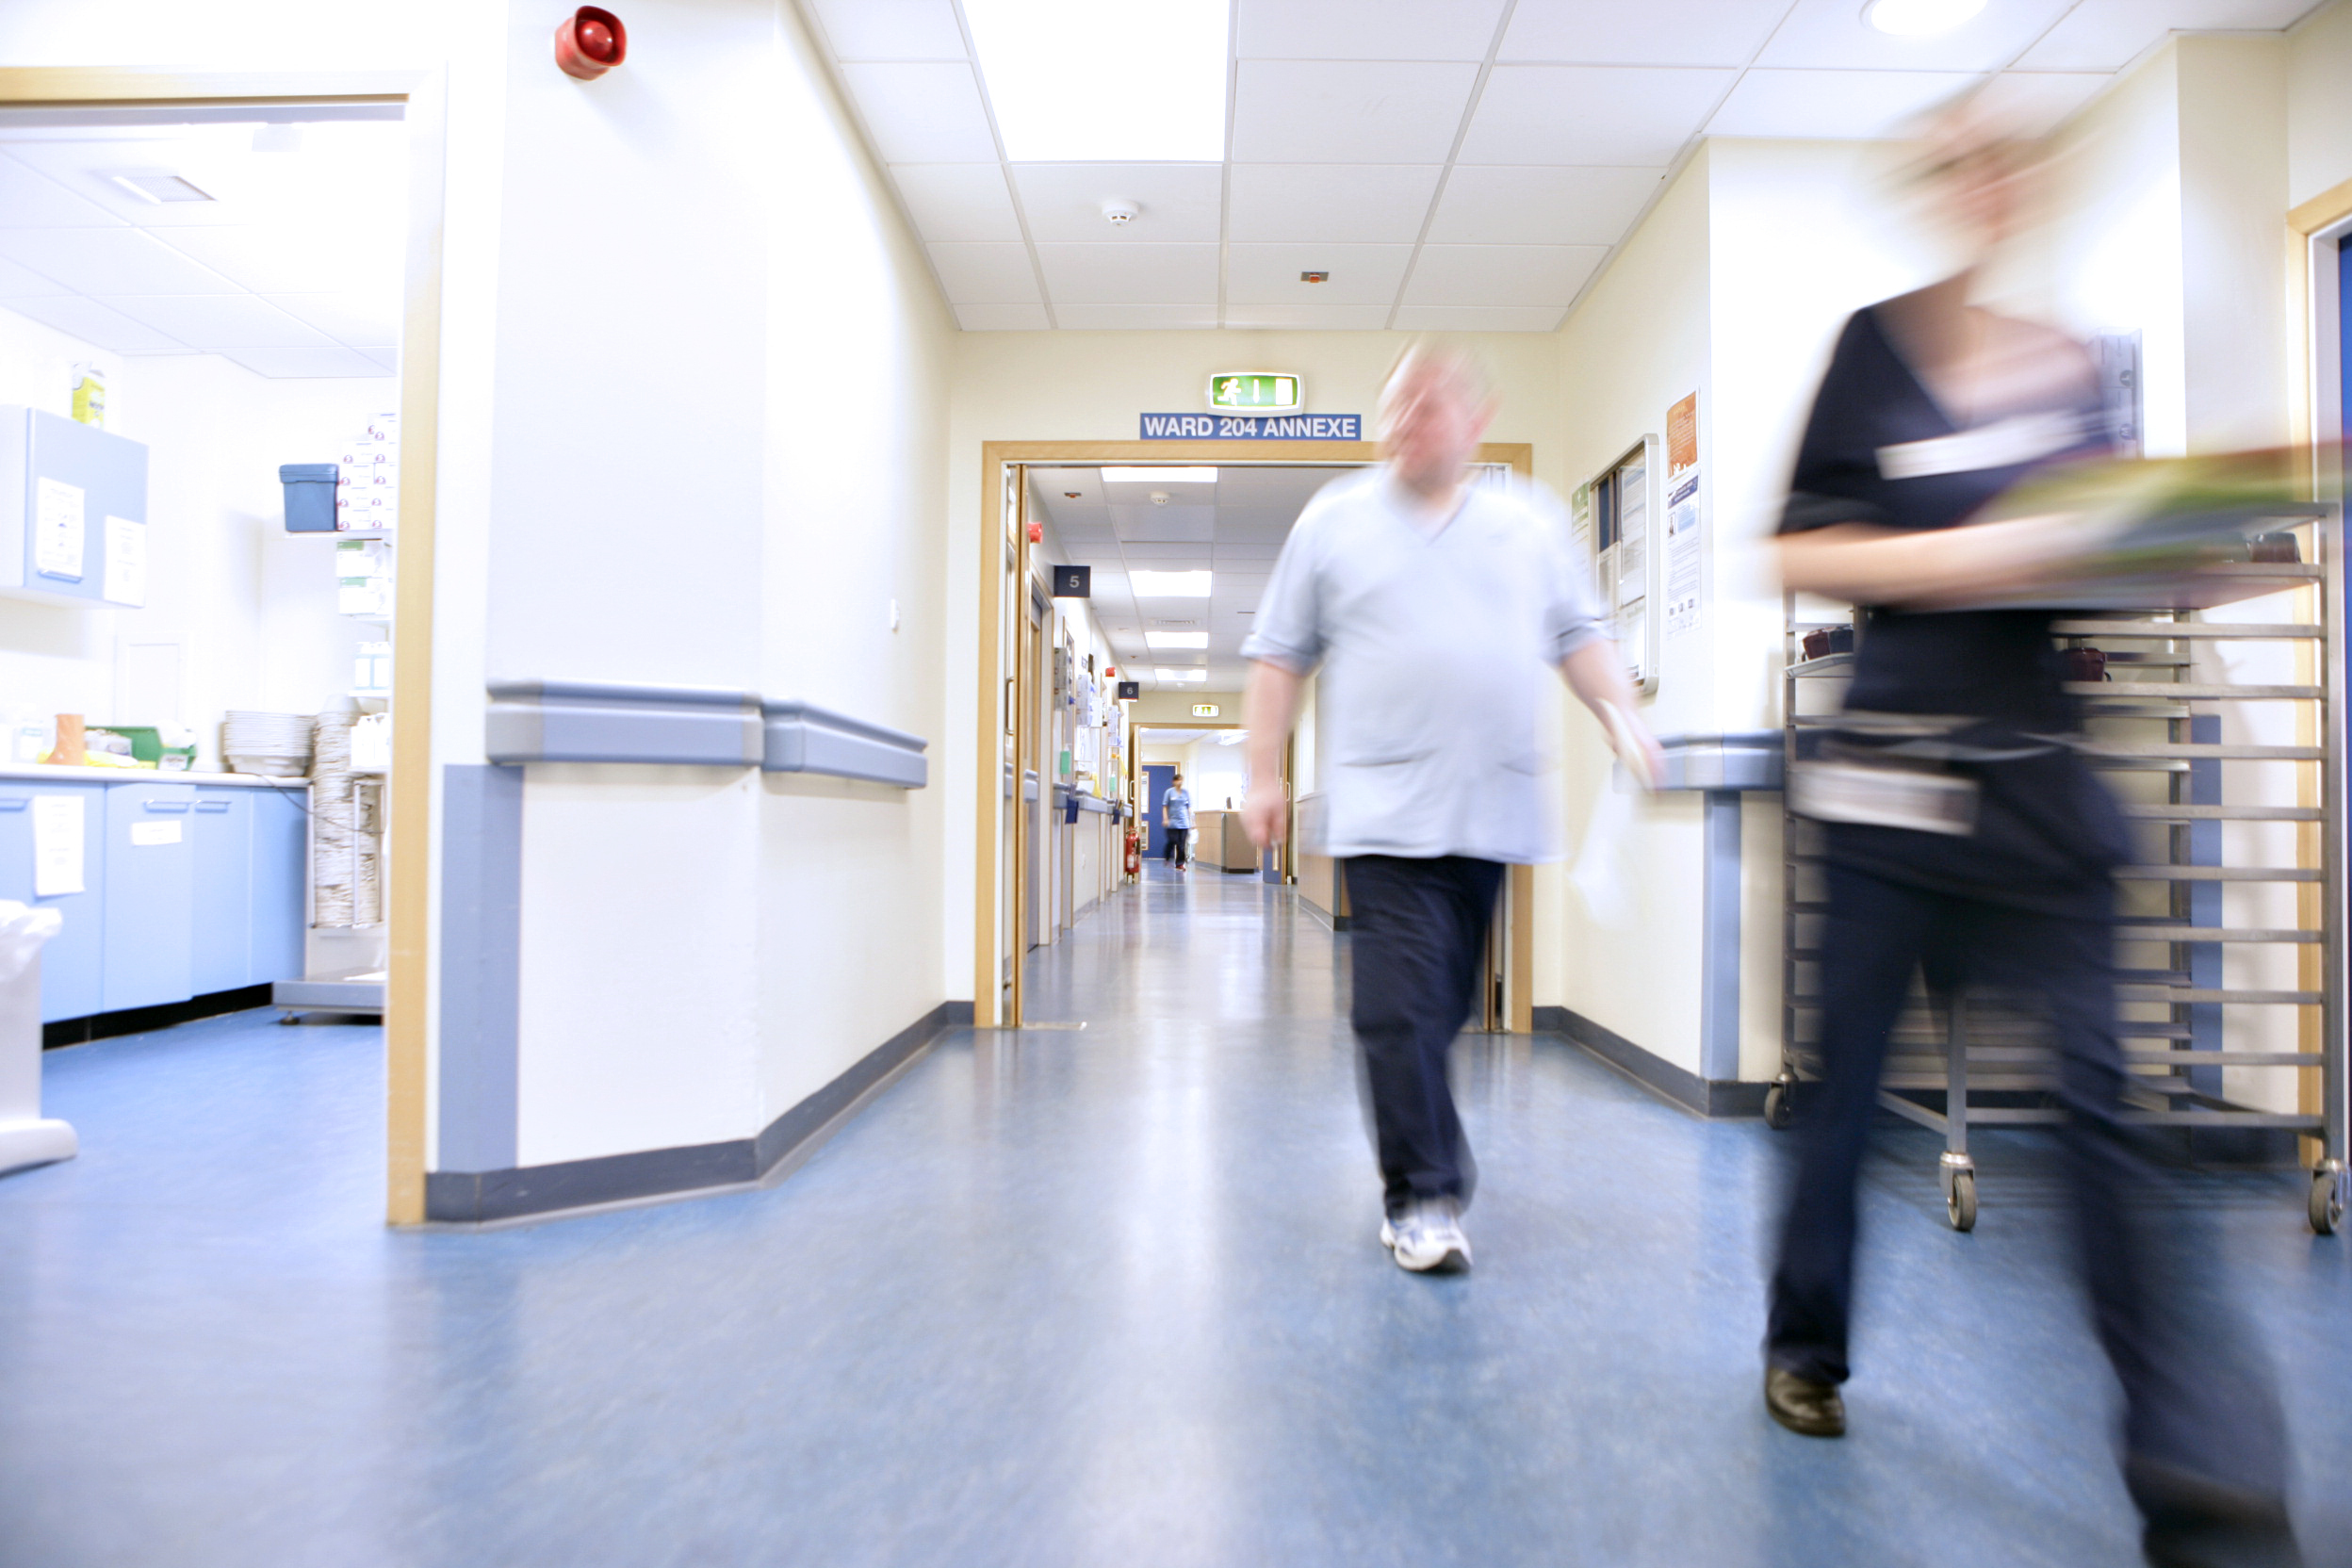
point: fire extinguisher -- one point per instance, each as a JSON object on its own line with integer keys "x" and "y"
{"x": 1135, "y": 854}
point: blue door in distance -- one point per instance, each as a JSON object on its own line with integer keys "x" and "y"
{"x": 1156, "y": 778}
{"x": 150, "y": 858}
{"x": 72, "y": 966}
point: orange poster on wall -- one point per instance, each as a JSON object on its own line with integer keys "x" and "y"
{"x": 1682, "y": 435}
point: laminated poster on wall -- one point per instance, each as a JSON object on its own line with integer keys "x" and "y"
{"x": 126, "y": 561}
{"x": 56, "y": 845}
{"x": 1685, "y": 514}
{"x": 57, "y": 529}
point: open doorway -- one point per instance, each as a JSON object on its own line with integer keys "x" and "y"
{"x": 1173, "y": 546}
{"x": 218, "y": 309}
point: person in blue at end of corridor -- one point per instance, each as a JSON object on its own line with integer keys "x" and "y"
{"x": 1176, "y": 816}
{"x": 1431, "y": 607}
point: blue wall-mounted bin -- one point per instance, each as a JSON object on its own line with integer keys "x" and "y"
{"x": 309, "y": 495}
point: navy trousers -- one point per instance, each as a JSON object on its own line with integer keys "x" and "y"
{"x": 1418, "y": 932}
{"x": 2199, "y": 1406}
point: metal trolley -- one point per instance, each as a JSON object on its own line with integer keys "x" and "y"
{"x": 1961, "y": 1060}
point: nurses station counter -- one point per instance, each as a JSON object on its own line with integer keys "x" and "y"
{"x": 172, "y": 884}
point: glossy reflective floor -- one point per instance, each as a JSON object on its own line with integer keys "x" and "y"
{"x": 1104, "y": 1296}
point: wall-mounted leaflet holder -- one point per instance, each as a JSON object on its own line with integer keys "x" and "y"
{"x": 1616, "y": 513}
{"x": 73, "y": 512}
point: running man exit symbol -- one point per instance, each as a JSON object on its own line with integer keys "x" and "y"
{"x": 1257, "y": 391}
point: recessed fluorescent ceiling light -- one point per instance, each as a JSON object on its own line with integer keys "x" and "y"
{"x": 1182, "y": 674}
{"x": 1177, "y": 639}
{"x": 1159, "y": 476}
{"x": 1168, "y": 585}
{"x": 1105, "y": 81}
{"x": 1232, "y": 738}
{"x": 1919, "y": 18}
{"x": 160, "y": 186}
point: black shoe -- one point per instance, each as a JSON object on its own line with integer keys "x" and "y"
{"x": 1802, "y": 1405}
{"x": 2197, "y": 1522}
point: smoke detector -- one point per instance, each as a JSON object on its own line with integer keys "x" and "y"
{"x": 1159, "y": 498}
{"x": 1118, "y": 214}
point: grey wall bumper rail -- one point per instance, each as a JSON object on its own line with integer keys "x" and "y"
{"x": 585, "y": 721}
{"x": 804, "y": 737}
{"x": 1750, "y": 760}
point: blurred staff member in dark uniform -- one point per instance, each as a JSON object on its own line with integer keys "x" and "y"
{"x": 1960, "y": 834}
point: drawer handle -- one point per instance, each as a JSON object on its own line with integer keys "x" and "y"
{"x": 173, "y": 805}
{"x": 212, "y": 805}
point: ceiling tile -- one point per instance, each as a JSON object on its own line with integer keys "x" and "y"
{"x": 1129, "y": 274}
{"x": 1478, "y": 318}
{"x": 97, "y": 324}
{"x": 1501, "y": 274}
{"x": 1322, "y": 111}
{"x": 1529, "y": 205}
{"x": 110, "y": 261}
{"x": 361, "y": 321}
{"x": 2108, "y": 35}
{"x": 1367, "y": 29}
{"x": 1832, "y": 35}
{"x": 1350, "y": 203}
{"x": 2036, "y": 101}
{"x": 1086, "y": 318}
{"x": 1002, "y": 318}
{"x": 923, "y": 113}
{"x": 1144, "y": 524}
{"x": 1174, "y": 202}
{"x": 1371, "y": 317}
{"x": 957, "y": 201}
{"x": 32, "y": 200}
{"x": 310, "y": 258}
{"x": 1360, "y": 274}
{"x": 17, "y": 282}
{"x": 1653, "y": 32}
{"x": 986, "y": 273}
{"x": 214, "y": 322}
{"x": 387, "y": 361}
{"x": 297, "y": 364}
{"x": 1620, "y": 115}
{"x": 891, "y": 29}
{"x": 1836, "y": 104}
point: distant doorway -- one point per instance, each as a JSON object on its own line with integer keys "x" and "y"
{"x": 1157, "y": 777}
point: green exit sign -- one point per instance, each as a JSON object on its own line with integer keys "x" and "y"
{"x": 1257, "y": 392}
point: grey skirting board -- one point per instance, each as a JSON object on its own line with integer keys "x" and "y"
{"x": 478, "y": 1196}
{"x": 586, "y": 720}
{"x": 1720, "y": 1097}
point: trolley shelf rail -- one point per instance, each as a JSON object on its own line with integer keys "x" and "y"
{"x": 1958, "y": 1062}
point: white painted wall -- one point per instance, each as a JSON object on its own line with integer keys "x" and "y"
{"x": 249, "y": 606}
{"x": 2319, "y": 129}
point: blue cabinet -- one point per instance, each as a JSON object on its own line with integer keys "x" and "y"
{"x": 220, "y": 937}
{"x": 189, "y": 888}
{"x": 150, "y": 883}
{"x": 73, "y": 964}
{"x": 281, "y": 862}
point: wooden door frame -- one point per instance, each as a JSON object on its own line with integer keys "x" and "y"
{"x": 423, "y": 97}
{"x": 989, "y": 1004}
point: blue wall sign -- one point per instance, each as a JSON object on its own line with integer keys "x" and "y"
{"x": 1249, "y": 427}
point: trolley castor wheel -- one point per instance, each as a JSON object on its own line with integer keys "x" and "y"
{"x": 2328, "y": 1197}
{"x": 1778, "y": 1110}
{"x": 1959, "y": 1179}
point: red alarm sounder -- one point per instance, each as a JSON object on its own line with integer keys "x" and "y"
{"x": 590, "y": 42}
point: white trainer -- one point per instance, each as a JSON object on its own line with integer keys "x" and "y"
{"x": 1426, "y": 1238}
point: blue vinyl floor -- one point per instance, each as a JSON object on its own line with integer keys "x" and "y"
{"x": 1106, "y": 1297}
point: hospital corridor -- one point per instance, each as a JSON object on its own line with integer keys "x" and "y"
{"x": 1175, "y": 784}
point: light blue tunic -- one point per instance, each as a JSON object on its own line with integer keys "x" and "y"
{"x": 1178, "y": 805}
{"x": 1436, "y": 651}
